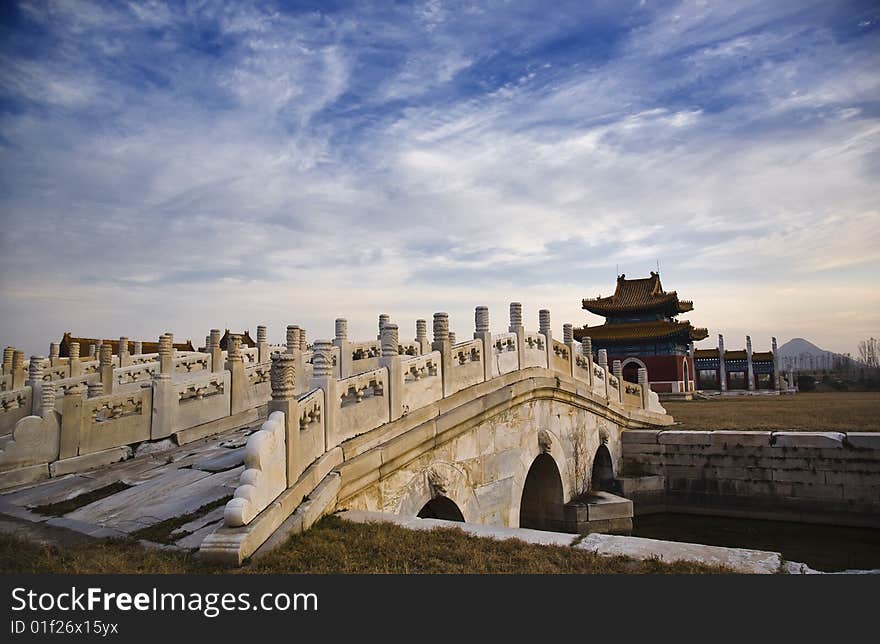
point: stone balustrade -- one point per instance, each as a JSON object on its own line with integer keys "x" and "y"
{"x": 341, "y": 389}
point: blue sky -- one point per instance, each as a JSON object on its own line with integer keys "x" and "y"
{"x": 188, "y": 165}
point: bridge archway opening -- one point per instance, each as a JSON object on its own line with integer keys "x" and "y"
{"x": 441, "y": 507}
{"x": 602, "y": 477}
{"x": 631, "y": 368}
{"x": 542, "y": 502}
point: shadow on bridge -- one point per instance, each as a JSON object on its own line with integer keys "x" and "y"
{"x": 441, "y": 507}
{"x": 542, "y": 498}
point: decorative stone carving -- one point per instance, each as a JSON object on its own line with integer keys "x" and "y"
{"x": 516, "y": 319}
{"x": 138, "y": 347}
{"x": 322, "y": 360}
{"x": 545, "y": 441}
{"x": 481, "y": 319}
{"x": 587, "y": 346}
{"x": 567, "y": 334}
{"x": 35, "y": 370}
{"x": 341, "y": 329}
{"x": 390, "y": 340}
{"x": 283, "y": 376}
{"x": 421, "y": 330}
{"x": 74, "y": 350}
{"x": 106, "y": 356}
{"x": 441, "y": 327}
{"x": 292, "y": 338}
{"x": 262, "y": 334}
{"x": 438, "y": 482}
{"x": 544, "y": 322}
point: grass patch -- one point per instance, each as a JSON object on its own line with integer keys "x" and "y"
{"x": 64, "y": 507}
{"x": 838, "y": 411}
{"x": 161, "y": 532}
{"x": 336, "y": 546}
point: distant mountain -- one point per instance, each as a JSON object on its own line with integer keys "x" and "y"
{"x": 799, "y": 346}
{"x": 802, "y": 355}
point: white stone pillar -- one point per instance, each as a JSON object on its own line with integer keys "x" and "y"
{"x": 262, "y": 344}
{"x": 603, "y": 362}
{"x": 138, "y": 347}
{"x": 303, "y": 345}
{"x": 105, "y": 365}
{"x": 392, "y": 361}
{"x": 452, "y": 339}
{"x": 444, "y": 346}
{"x": 35, "y": 382}
{"x": 324, "y": 378}
{"x": 292, "y": 338}
{"x": 73, "y": 362}
{"x": 481, "y": 332}
{"x": 587, "y": 350}
{"x": 237, "y": 376}
{"x": 216, "y": 353}
{"x": 71, "y": 420}
{"x": 617, "y": 370}
{"x": 776, "y": 379}
{"x": 124, "y": 357}
{"x": 343, "y": 368}
{"x": 645, "y": 386}
{"x": 722, "y": 367}
{"x": 19, "y": 372}
{"x": 54, "y": 354}
{"x": 283, "y": 379}
{"x": 545, "y": 330}
{"x": 384, "y": 319}
{"x": 165, "y": 401}
{"x": 422, "y": 336}
{"x": 7, "y": 360}
{"x": 516, "y": 326}
{"x": 750, "y": 368}
{"x": 568, "y": 341}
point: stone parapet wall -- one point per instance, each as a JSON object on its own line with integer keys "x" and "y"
{"x": 817, "y": 477}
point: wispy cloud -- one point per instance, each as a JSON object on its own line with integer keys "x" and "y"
{"x": 184, "y": 165}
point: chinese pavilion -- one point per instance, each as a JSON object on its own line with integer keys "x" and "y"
{"x": 641, "y": 331}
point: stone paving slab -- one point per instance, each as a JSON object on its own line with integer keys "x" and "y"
{"x": 223, "y": 461}
{"x": 195, "y": 539}
{"x": 53, "y": 491}
{"x": 143, "y": 505}
{"x": 196, "y": 524}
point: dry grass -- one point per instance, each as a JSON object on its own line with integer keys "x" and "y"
{"x": 337, "y": 546}
{"x": 839, "y": 411}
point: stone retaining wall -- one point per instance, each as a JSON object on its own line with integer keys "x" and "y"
{"x": 815, "y": 477}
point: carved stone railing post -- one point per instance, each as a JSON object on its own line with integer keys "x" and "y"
{"x": 587, "y": 351}
{"x": 216, "y": 353}
{"x": 123, "y": 354}
{"x": 93, "y": 350}
{"x": 165, "y": 400}
{"x": 617, "y": 370}
{"x": 95, "y": 389}
{"x": 568, "y": 341}
{"x": 106, "y": 367}
{"x": 47, "y": 400}
{"x": 444, "y": 346}
{"x": 54, "y": 354}
{"x": 283, "y": 379}
{"x": 7, "y": 360}
{"x": 238, "y": 381}
{"x": 392, "y": 361}
{"x": 324, "y": 377}
{"x": 750, "y": 369}
{"x": 138, "y": 347}
{"x": 19, "y": 371}
{"x": 545, "y": 330}
{"x": 72, "y": 421}
{"x": 422, "y": 336}
{"x": 343, "y": 366}
{"x": 603, "y": 362}
{"x": 35, "y": 382}
{"x": 452, "y": 339}
{"x": 303, "y": 345}
{"x": 292, "y": 338}
{"x": 516, "y": 326}
{"x": 262, "y": 344}
{"x": 481, "y": 332}
{"x": 73, "y": 362}
{"x": 384, "y": 319}
{"x": 645, "y": 386}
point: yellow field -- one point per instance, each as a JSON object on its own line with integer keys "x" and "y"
{"x": 839, "y": 411}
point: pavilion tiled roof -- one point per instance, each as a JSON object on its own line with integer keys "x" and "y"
{"x": 705, "y": 353}
{"x": 652, "y": 330}
{"x": 84, "y": 343}
{"x": 638, "y": 295}
{"x": 762, "y": 356}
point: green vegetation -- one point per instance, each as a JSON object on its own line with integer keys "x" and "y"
{"x": 839, "y": 411}
{"x": 161, "y": 532}
{"x": 336, "y": 546}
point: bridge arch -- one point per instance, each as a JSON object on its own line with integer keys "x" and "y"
{"x": 441, "y": 491}
{"x": 543, "y": 496}
{"x": 631, "y": 367}
{"x": 602, "y": 475}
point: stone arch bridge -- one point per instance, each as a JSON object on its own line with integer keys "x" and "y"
{"x": 515, "y": 429}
